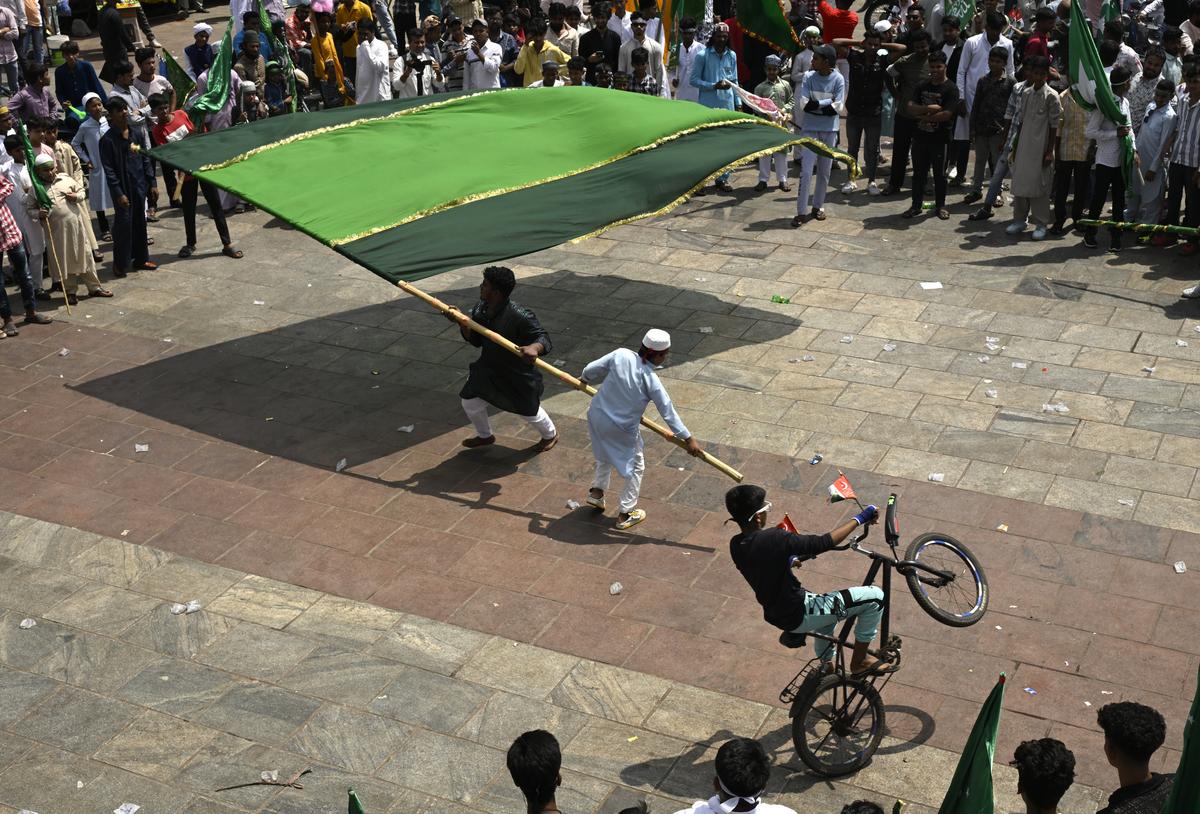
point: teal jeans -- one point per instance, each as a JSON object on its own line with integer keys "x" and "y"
{"x": 823, "y": 612}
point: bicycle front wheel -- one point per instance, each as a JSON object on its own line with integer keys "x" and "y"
{"x": 960, "y": 599}
{"x": 838, "y": 727}
{"x": 877, "y": 11}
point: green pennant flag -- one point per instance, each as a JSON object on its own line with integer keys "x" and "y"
{"x": 766, "y": 20}
{"x": 1185, "y": 793}
{"x": 673, "y": 13}
{"x": 183, "y": 84}
{"x": 39, "y": 190}
{"x": 355, "y": 804}
{"x": 964, "y": 10}
{"x": 970, "y": 790}
{"x": 216, "y": 94}
{"x": 1110, "y": 10}
{"x": 1090, "y": 85}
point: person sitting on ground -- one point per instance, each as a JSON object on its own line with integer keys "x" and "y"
{"x": 1045, "y": 770}
{"x": 1133, "y": 732}
{"x": 742, "y": 772}
{"x": 534, "y": 760}
{"x": 766, "y": 557}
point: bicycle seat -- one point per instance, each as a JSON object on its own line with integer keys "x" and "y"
{"x": 792, "y": 640}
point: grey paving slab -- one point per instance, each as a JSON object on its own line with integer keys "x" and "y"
{"x": 258, "y": 711}
{"x": 75, "y": 720}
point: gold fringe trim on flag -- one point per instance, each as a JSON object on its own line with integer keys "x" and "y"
{"x": 466, "y": 199}
{"x": 813, "y": 144}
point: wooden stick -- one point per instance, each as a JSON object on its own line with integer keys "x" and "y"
{"x": 464, "y": 320}
{"x": 62, "y": 280}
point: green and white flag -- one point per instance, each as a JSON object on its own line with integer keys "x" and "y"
{"x": 1090, "y": 85}
{"x": 970, "y": 790}
{"x": 1185, "y": 793}
{"x": 1110, "y": 10}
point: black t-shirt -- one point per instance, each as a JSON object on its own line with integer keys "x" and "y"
{"x": 765, "y": 558}
{"x": 1141, "y": 798}
{"x": 944, "y": 95}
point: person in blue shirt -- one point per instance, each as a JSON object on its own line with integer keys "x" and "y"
{"x": 822, "y": 95}
{"x": 714, "y": 73}
{"x": 74, "y": 78}
{"x": 201, "y": 52}
{"x": 252, "y": 25}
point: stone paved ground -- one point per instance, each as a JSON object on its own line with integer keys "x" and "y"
{"x": 111, "y": 699}
{"x": 246, "y": 408}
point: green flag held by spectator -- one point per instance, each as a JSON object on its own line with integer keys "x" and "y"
{"x": 970, "y": 790}
{"x": 216, "y": 93}
{"x": 1090, "y": 86}
{"x": 1185, "y": 794}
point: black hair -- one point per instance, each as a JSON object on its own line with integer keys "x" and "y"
{"x": 1036, "y": 61}
{"x": 34, "y": 70}
{"x": 536, "y": 28}
{"x": 993, "y": 21}
{"x": 639, "y": 55}
{"x": 641, "y": 806}
{"x": 687, "y": 23}
{"x": 12, "y": 143}
{"x": 743, "y": 501}
{"x": 635, "y": 17}
{"x": 1164, "y": 86}
{"x": 1171, "y": 33}
{"x": 534, "y": 759}
{"x": 1045, "y": 770}
{"x": 1109, "y": 51}
{"x": 145, "y": 52}
{"x": 1155, "y": 51}
{"x": 366, "y": 25}
{"x": 1194, "y": 7}
{"x": 413, "y": 33}
{"x": 937, "y": 56}
{"x": 742, "y": 766}
{"x": 1044, "y": 14}
{"x": 1113, "y": 30}
{"x": 952, "y": 21}
{"x": 1135, "y": 730}
{"x": 557, "y": 8}
{"x": 1191, "y": 71}
{"x": 998, "y": 52}
{"x": 501, "y": 278}
{"x": 601, "y": 7}
{"x": 115, "y": 103}
{"x": 576, "y": 63}
{"x": 920, "y": 35}
{"x": 122, "y": 67}
{"x": 250, "y": 17}
{"x": 69, "y": 47}
{"x": 862, "y": 807}
{"x": 157, "y": 100}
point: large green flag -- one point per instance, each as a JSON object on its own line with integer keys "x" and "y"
{"x": 1185, "y": 793}
{"x": 279, "y": 51}
{"x": 766, "y": 20}
{"x": 355, "y": 805}
{"x": 39, "y": 189}
{"x": 183, "y": 84}
{"x": 216, "y": 93}
{"x": 1090, "y": 85}
{"x": 970, "y": 790}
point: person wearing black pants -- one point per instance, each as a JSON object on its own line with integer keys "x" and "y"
{"x": 933, "y": 107}
{"x": 903, "y": 76}
{"x": 1070, "y": 177}
{"x": 1108, "y": 172}
{"x": 187, "y": 202}
{"x": 128, "y": 173}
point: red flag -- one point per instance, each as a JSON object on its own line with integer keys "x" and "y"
{"x": 841, "y": 489}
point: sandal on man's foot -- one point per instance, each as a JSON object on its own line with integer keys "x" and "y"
{"x": 473, "y": 443}
{"x": 911, "y": 212}
{"x": 72, "y": 299}
{"x": 97, "y": 256}
{"x": 187, "y": 251}
{"x": 149, "y": 265}
{"x": 9, "y": 329}
{"x": 32, "y": 318}
{"x": 100, "y": 292}
{"x": 229, "y": 251}
{"x": 631, "y": 519}
{"x": 799, "y": 221}
{"x": 982, "y": 213}
{"x": 875, "y": 667}
{"x": 546, "y": 444}
{"x": 596, "y": 502}
{"x": 943, "y": 214}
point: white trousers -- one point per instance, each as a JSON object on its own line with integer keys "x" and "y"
{"x": 477, "y": 412}
{"x": 633, "y": 486}
{"x": 781, "y": 168}
{"x": 810, "y": 160}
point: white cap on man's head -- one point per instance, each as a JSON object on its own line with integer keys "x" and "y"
{"x": 43, "y": 160}
{"x": 87, "y": 97}
{"x": 883, "y": 27}
{"x": 656, "y": 339}
{"x": 202, "y": 28}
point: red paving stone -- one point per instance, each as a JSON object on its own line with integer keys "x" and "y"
{"x": 1085, "y": 605}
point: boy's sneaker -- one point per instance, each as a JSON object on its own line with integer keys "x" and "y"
{"x": 1039, "y": 233}
{"x": 982, "y": 213}
{"x": 873, "y": 189}
{"x": 1016, "y": 227}
{"x": 973, "y": 196}
{"x": 849, "y": 187}
{"x": 1192, "y": 293}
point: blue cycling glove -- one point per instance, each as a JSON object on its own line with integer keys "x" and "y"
{"x": 867, "y": 515}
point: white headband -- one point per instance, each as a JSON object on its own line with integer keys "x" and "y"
{"x": 734, "y": 800}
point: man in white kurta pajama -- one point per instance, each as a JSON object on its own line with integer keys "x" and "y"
{"x": 630, "y": 383}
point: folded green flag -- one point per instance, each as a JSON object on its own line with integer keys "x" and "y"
{"x": 1185, "y": 793}
{"x": 355, "y": 805}
{"x": 1090, "y": 85}
{"x": 970, "y": 789}
{"x": 217, "y": 82}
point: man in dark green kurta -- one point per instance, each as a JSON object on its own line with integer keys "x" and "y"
{"x": 498, "y": 377}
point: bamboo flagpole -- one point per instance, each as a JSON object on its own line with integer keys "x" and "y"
{"x": 466, "y": 321}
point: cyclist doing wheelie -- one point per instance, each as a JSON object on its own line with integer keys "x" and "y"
{"x": 766, "y": 557}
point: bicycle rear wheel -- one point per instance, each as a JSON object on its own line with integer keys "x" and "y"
{"x": 837, "y": 728}
{"x": 879, "y": 10}
{"x": 960, "y": 601}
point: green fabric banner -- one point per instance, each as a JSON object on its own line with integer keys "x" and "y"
{"x": 39, "y": 189}
{"x": 575, "y": 128}
{"x": 217, "y": 84}
{"x": 1185, "y": 793}
{"x": 766, "y": 20}
{"x": 1090, "y": 86}
{"x": 177, "y": 76}
{"x": 970, "y": 789}
{"x": 651, "y": 154}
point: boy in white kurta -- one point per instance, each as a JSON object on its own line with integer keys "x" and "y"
{"x": 742, "y": 772}
{"x": 630, "y": 383}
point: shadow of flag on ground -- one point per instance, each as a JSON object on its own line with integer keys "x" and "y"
{"x": 414, "y": 187}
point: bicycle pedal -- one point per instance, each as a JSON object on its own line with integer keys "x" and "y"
{"x": 893, "y": 643}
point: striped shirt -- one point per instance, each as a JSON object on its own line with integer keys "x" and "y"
{"x": 1072, "y": 143}
{"x": 10, "y": 233}
{"x": 1186, "y": 150}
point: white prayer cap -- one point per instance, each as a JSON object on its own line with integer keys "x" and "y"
{"x": 87, "y": 97}
{"x": 249, "y": 87}
{"x": 883, "y": 27}
{"x": 656, "y": 339}
{"x": 43, "y": 160}
{"x": 202, "y": 28}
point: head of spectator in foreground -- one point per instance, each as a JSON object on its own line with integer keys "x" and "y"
{"x": 576, "y": 67}
{"x": 742, "y": 773}
{"x": 534, "y": 760}
{"x": 1133, "y": 732}
{"x": 1045, "y": 770}
{"x": 862, "y": 807}
{"x": 498, "y": 284}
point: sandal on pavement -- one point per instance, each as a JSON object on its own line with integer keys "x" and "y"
{"x": 97, "y": 256}
{"x": 100, "y": 292}
{"x": 632, "y": 519}
{"x": 596, "y": 502}
{"x": 10, "y": 329}
{"x": 149, "y": 265}
{"x": 943, "y": 214}
{"x": 876, "y": 668}
{"x": 187, "y": 251}
{"x": 229, "y": 251}
{"x": 546, "y": 444}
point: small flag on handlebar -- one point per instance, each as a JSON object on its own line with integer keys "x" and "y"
{"x": 840, "y": 490}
